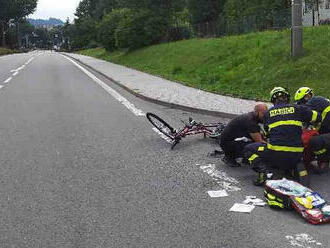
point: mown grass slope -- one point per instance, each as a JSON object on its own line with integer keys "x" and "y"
{"x": 247, "y": 66}
{"x": 4, "y": 51}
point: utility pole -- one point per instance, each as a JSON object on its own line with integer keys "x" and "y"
{"x": 3, "y": 33}
{"x": 296, "y": 29}
{"x": 19, "y": 38}
{"x": 318, "y": 11}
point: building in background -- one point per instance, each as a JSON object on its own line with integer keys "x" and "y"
{"x": 316, "y": 12}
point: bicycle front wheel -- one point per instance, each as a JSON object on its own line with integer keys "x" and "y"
{"x": 161, "y": 125}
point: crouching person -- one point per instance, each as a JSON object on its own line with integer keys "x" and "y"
{"x": 264, "y": 160}
{"x": 305, "y": 96}
{"x": 283, "y": 123}
{"x": 241, "y": 131}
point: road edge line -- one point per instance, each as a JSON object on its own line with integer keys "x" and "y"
{"x": 130, "y": 106}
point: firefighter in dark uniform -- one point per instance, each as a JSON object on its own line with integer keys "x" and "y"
{"x": 319, "y": 144}
{"x": 283, "y": 123}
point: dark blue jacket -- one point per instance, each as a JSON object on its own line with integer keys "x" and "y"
{"x": 321, "y": 105}
{"x": 284, "y": 124}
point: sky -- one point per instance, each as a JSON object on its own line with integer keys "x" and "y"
{"x": 60, "y": 9}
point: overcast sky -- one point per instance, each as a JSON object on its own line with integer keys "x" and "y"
{"x": 56, "y": 8}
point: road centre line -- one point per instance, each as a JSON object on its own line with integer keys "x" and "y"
{"x": 115, "y": 94}
{"x": 18, "y": 69}
{"x": 29, "y": 61}
{"x": 8, "y": 80}
{"x": 15, "y": 73}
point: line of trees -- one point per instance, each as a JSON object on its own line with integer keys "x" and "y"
{"x": 131, "y": 24}
{"x": 12, "y": 14}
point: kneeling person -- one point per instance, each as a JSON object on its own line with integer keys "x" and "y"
{"x": 319, "y": 144}
{"x": 241, "y": 131}
{"x": 284, "y": 123}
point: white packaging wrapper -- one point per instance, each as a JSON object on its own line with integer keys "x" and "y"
{"x": 242, "y": 208}
{"x": 254, "y": 201}
{"x": 218, "y": 193}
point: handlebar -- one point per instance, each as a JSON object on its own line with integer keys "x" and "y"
{"x": 191, "y": 122}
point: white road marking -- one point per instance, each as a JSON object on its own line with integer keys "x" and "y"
{"x": 8, "y": 80}
{"x": 21, "y": 68}
{"x": 115, "y": 94}
{"x": 16, "y": 71}
{"x": 167, "y": 139}
{"x": 29, "y": 61}
{"x": 226, "y": 182}
{"x": 303, "y": 240}
{"x": 1, "y": 86}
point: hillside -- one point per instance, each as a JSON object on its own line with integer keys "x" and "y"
{"x": 49, "y": 22}
{"x": 247, "y": 66}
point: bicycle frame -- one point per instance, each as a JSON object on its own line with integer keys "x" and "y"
{"x": 190, "y": 128}
{"x": 194, "y": 129}
{"x": 197, "y": 129}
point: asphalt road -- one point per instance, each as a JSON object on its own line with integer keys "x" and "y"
{"x": 78, "y": 168}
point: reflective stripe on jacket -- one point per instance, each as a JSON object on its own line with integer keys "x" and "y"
{"x": 284, "y": 123}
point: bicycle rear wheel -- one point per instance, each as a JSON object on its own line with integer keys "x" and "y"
{"x": 161, "y": 125}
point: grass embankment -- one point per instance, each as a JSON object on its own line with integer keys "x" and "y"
{"x": 5, "y": 51}
{"x": 247, "y": 66}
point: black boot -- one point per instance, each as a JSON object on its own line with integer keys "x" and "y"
{"x": 216, "y": 154}
{"x": 230, "y": 162}
{"x": 260, "y": 179}
{"x": 302, "y": 175}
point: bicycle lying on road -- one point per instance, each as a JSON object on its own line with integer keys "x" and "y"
{"x": 192, "y": 127}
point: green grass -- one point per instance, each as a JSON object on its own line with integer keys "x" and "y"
{"x": 246, "y": 66}
{"x": 4, "y": 51}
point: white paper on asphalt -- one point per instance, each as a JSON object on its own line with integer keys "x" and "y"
{"x": 218, "y": 193}
{"x": 242, "y": 208}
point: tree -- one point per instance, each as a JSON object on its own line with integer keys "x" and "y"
{"x": 25, "y": 34}
{"x": 205, "y": 15}
{"x": 107, "y": 28}
{"x": 85, "y": 9}
{"x": 42, "y": 39}
{"x": 14, "y": 9}
{"x": 262, "y": 12}
{"x": 134, "y": 29}
{"x": 102, "y": 7}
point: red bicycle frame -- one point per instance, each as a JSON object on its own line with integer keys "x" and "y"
{"x": 194, "y": 128}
